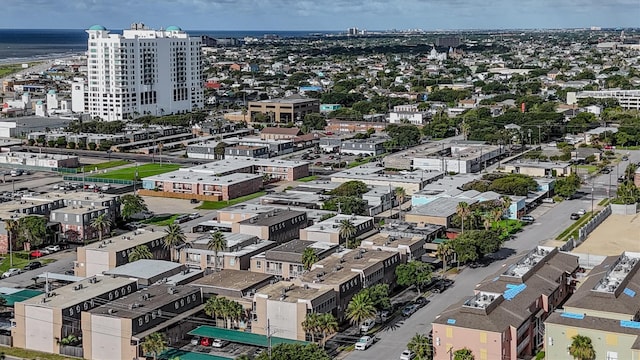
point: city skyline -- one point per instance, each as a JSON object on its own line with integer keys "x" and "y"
{"x": 328, "y": 15}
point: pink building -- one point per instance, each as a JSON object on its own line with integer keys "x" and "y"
{"x": 504, "y": 319}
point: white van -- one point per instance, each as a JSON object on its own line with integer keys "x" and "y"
{"x": 367, "y": 325}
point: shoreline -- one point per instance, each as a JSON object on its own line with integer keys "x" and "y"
{"x": 40, "y": 58}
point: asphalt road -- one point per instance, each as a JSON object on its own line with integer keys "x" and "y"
{"x": 551, "y": 220}
{"x": 64, "y": 261}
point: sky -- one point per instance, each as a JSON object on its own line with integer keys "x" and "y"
{"x": 320, "y": 14}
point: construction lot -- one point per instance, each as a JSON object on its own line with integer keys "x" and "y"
{"x": 618, "y": 233}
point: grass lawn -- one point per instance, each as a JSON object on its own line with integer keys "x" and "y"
{"x": 216, "y": 205}
{"x": 308, "y": 178}
{"x": 604, "y": 202}
{"x": 161, "y": 220}
{"x": 573, "y": 229}
{"x": 590, "y": 168}
{"x": 20, "y": 259}
{"x": 143, "y": 171}
{"x": 105, "y": 165}
{"x": 30, "y": 354}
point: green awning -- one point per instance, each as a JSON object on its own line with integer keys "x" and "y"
{"x": 21, "y": 295}
{"x": 189, "y": 355}
{"x": 439, "y": 241}
{"x": 240, "y": 337}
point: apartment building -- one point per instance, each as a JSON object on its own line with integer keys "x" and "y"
{"x": 279, "y": 225}
{"x": 462, "y": 157}
{"x": 48, "y": 161}
{"x": 82, "y": 199}
{"x": 117, "y": 329}
{"x": 279, "y": 133}
{"x": 17, "y": 209}
{"x": 247, "y": 151}
{"x": 504, "y": 319}
{"x": 42, "y": 321}
{"x": 149, "y": 272}
{"x": 409, "y": 248}
{"x": 284, "y": 110}
{"x": 628, "y": 99}
{"x": 349, "y": 271}
{"x": 538, "y": 169}
{"x": 236, "y": 255}
{"x": 604, "y": 308}
{"x": 371, "y": 175}
{"x": 285, "y": 260}
{"x": 409, "y": 113}
{"x": 112, "y": 252}
{"x": 347, "y": 126}
{"x": 142, "y": 72}
{"x": 75, "y": 222}
{"x": 366, "y": 147}
{"x": 285, "y": 305}
{"x": 329, "y": 230}
{"x": 236, "y": 285}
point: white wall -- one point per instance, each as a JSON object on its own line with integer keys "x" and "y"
{"x": 106, "y": 341}
{"x": 39, "y": 328}
{"x": 282, "y": 318}
{"x": 97, "y": 262}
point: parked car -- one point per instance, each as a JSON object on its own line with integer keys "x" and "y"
{"x": 11, "y": 272}
{"x": 409, "y": 310}
{"x": 582, "y": 212}
{"x": 219, "y": 343}
{"x": 574, "y": 216}
{"x": 367, "y": 325}
{"x": 382, "y": 316}
{"x": 194, "y": 201}
{"x": 195, "y": 340}
{"x": 625, "y": 158}
{"x": 548, "y": 200}
{"x": 32, "y": 265}
{"x": 180, "y": 219}
{"x": 364, "y": 342}
{"x": 528, "y": 218}
{"x": 53, "y": 248}
{"x": 194, "y": 216}
{"x": 37, "y": 253}
{"x": 205, "y": 341}
{"x": 421, "y": 301}
{"x": 407, "y": 355}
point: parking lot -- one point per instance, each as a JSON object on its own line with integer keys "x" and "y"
{"x": 229, "y": 350}
{"x": 324, "y": 160}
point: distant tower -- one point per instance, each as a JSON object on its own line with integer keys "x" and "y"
{"x": 52, "y": 100}
{"x": 41, "y": 108}
{"x": 622, "y": 36}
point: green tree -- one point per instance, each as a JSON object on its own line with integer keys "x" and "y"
{"x": 379, "y": 295}
{"x": 581, "y": 348}
{"x": 347, "y": 230}
{"x": 309, "y": 258}
{"x": 350, "y": 188}
{"x": 310, "y": 325}
{"x": 101, "y": 223}
{"x": 154, "y": 344}
{"x": 132, "y": 204}
{"x": 444, "y": 252}
{"x": 219, "y": 150}
{"x": 463, "y": 211}
{"x": 403, "y": 136}
{"x": 346, "y": 205}
{"x": 414, "y": 273}
{"x": 174, "y": 238}
{"x": 463, "y": 354}
{"x": 294, "y": 352}
{"x": 217, "y": 243}
{"x": 421, "y": 346}
{"x": 360, "y": 308}
{"x": 31, "y": 229}
{"x": 10, "y": 226}
{"x": 327, "y": 325}
{"x": 567, "y": 186}
{"x": 400, "y": 194}
{"x": 140, "y": 252}
{"x": 313, "y": 121}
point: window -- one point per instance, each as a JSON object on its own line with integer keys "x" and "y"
{"x": 258, "y": 264}
{"x": 612, "y": 355}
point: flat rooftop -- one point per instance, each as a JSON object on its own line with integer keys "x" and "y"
{"x": 332, "y": 225}
{"x": 538, "y": 164}
{"x": 450, "y": 184}
{"x": 390, "y": 241}
{"x": 72, "y": 195}
{"x": 271, "y": 218}
{"x": 78, "y": 210}
{"x": 42, "y": 156}
{"x": 292, "y": 251}
{"x": 128, "y": 240}
{"x": 440, "y": 207}
{"x": 234, "y": 240}
{"x": 236, "y": 280}
{"x": 285, "y": 101}
{"x": 232, "y": 164}
{"x": 339, "y": 267}
{"x": 145, "y": 268}
{"x": 288, "y": 292}
{"x": 374, "y": 173}
{"x": 149, "y": 298}
{"x": 80, "y": 291}
{"x": 180, "y": 176}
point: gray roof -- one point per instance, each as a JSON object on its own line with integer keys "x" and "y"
{"x": 145, "y": 268}
{"x": 272, "y": 218}
{"x": 292, "y": 251}
{"x": 595, "y": 323}
{"x": 441, "y": 207}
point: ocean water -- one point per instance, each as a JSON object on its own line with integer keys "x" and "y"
{"x": 25, "y": 44}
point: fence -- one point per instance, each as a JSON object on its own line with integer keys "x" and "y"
{"x": 6, "y": 340}
{"x": 74, "y": 351}
{"x": 586, "y": 229}
{"x": 87, "y": 179}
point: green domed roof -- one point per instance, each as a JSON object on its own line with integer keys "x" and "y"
{"x": 98, "y": 27}
{"x": 173, "y": 28}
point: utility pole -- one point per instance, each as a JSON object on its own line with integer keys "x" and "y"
{"x": 269, "y": 338}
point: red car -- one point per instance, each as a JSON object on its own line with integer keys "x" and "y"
{"x": 205, "y": 341}
{"x": 36, "y": 254}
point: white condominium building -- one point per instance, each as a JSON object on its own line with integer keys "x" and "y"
{"x": 142, "y": 72}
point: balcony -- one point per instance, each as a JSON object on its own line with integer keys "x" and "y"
{"x": 273, "y": 271}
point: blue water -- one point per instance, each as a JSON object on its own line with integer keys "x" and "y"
{"x": 38, "y": 43}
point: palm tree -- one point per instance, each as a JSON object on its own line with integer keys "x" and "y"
{"x": 463, "y": 210}
{"x": 443, "y": 253}
{"x": 217, "y": 243}
{"x": 233, "y": 310}
{"x": 506, "y": 204}
{"x": 581, "y": 348}
{"x": 463, "y": 354}
{"x": 140, "y": 252}
{"x": 175, "y": 237}
{"x": 347, "y": 230}
{"x": 309, "y": 258}
{"x": 154, "y": 344}
{"x": 421, "y": 346}
{"x": 310, "y": 325}
{"x": 101, "y": 223}
{"x": 487, "y": 219}
{"x": 212, "y": 307}
{"x": 10, "y": 226}
{"x": 327, "y": 325}
{"x": 400, "y": 196}
{"x": 360, "y": 308}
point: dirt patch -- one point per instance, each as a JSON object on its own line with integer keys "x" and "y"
{"x": 618, "y": 233}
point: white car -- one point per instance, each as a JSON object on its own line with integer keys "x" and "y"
{"x": 367, "y": 325}
{"x": 582, "y": 212}
{"x": 53, "y": 248}
{"x": 11, "y": 272}
{"x": 364, "y": 343}
{"x": 407, "y": 355}
{"x": 195, "y": 340}
{"x": 217, "y": 343}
